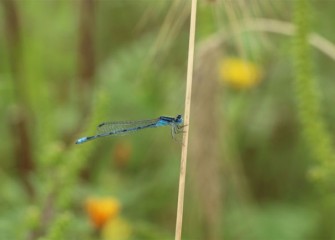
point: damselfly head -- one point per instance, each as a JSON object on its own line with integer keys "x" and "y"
{"x": 179, "y": 119}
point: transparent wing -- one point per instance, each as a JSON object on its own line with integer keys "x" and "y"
{"x": 124, "y": 127}
{"x": 177, "y": 131}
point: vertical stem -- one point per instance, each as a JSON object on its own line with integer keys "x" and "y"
{"x": 86, "y": 54}
{"x": 86, "y": 44}
{"x": 19, "y": 123}
{"x": 179, "y": 221}
{"x": 206, "y": 109}
{"x": 308, "y": 99}
{"x": 86, "y": 59}
{"x": 313, "y": 124}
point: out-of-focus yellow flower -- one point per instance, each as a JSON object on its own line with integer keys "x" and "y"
{"x": 116, "y": 228}
{"x": 239, "y": 73}
{"x": 101, "y": 210}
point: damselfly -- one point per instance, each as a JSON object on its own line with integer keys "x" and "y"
{"x": 125, "y": 127}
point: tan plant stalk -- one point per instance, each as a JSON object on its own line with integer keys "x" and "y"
{"x": 179, "y": 220}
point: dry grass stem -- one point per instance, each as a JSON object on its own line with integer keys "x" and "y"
{"x": 179, "y": 220}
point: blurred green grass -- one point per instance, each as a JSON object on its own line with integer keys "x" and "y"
{"x": 49, "y": 98}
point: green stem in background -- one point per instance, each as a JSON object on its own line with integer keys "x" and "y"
{"x": 308, "y": 99}
{"x": 20, "y": 119}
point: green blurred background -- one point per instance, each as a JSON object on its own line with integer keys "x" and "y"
{"x": 261, "y": 160}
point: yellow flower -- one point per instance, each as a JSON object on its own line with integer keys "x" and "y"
{"x": 101, "y": 210}
{"x": 116, "y": 228}
{"x": 239, "y": 73}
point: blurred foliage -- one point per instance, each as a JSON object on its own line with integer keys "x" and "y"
{"x": 66, "y": 66}
{"x": 309, "y": 99}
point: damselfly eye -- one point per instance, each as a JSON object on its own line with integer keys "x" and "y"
{"x": 179, "y": 119}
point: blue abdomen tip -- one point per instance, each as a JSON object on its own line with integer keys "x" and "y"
{"x": 81, "y": 140}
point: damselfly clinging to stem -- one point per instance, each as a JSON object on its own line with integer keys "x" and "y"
{"x": 125, "y": 127}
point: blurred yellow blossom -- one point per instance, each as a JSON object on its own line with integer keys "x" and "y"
{"x": 116, "y": 228}
{"x": 101, "y": 210}
{"x": 240, "y": 73}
